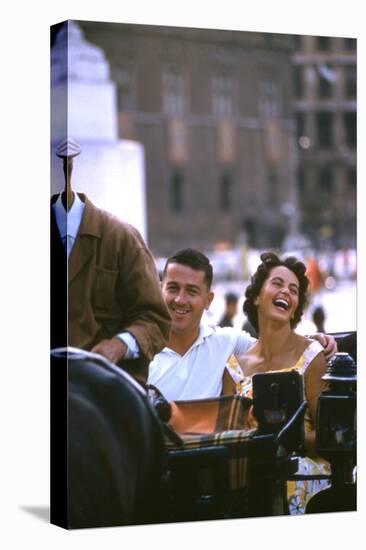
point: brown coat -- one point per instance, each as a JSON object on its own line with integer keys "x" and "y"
{"x": 113, "y": 285}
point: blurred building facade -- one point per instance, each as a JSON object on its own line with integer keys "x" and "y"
{"x": 324, "y": 71}
{"x": 213, "y": 110}
{"x": 236, "y": 132}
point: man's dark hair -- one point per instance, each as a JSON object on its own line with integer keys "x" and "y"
{"x": 269, "y": 260}
{"x": 195, "y": 260}
{"x": 231, "y": 298}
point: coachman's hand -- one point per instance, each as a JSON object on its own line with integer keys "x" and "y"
{"x": 113, "y": 349}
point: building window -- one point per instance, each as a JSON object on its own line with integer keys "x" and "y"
{"x": 298, "y": 81}
{"x": 273, "y": 185}
{"x": 223, "y": 95}
{"x": 300, "y": 125}
{"x": 296, "y": 42}
{"x": 269, "y": 98}
{"x": 176, "y": 192}
{"x": 325, "y": 180}
{"x": 350, "y": 44}
{"x": 350, "y": 129}
{"x": 350, "y": 81}
{"x": 352, "y": 179}
{"x": 125, "y": 80}
{"x": 303, "y": 139}
{"x": 327, "y": 78}
{"x": 174, "y": 92}
{"x": 323, "y": 43}
{"x": 324, "y": 125}
{"x": 225, "y": 193}
{"x": 301, "y": 181}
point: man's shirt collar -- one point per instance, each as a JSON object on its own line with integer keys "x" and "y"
{"x": 205, "y": 330}
{"x": 68, "y": 223}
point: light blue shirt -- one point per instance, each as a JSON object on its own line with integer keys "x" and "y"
{"x": 68, "y": 224}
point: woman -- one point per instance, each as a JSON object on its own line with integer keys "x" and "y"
{"x": 274, "y": 303}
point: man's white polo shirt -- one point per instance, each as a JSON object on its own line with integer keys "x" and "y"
{"x": 198, "y": 373}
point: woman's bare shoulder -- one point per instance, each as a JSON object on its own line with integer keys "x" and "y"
{"x": 302, "y": 340}
{"x": 249, "y": 359}
{"x": 301, "y": 343}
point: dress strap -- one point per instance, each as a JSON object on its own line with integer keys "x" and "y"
{"x": 313, "y": 349}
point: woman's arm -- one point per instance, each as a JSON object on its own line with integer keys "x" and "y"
{"x": 314, "y": 385}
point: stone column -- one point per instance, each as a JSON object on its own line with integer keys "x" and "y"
{"x": 84, "y": 108}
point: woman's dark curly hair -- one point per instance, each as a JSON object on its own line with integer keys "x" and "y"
{"x": 270, "y": 260}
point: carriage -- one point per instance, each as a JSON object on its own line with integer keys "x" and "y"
{"x": 130, "y": 467}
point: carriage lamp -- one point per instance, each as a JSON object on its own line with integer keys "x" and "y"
{"x": 336, "y": 417}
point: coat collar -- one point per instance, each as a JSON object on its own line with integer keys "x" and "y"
{"x": 84, "y": 247}
{"x": 91, "y": 220}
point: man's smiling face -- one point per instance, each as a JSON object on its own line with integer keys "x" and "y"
{"x": 186, "y": 295}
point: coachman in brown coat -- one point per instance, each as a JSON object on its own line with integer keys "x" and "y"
{"x": 113, "y": 287}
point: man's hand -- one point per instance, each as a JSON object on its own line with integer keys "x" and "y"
{"x": 328, "y": 342}
{"x": 114, "y": 349}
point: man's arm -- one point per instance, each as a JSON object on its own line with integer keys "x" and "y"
{"x": 139, "y": 317}
{"x": 146, "y": 317}
{"x": 328, "y": 342}
{"x": 245, "y": 341}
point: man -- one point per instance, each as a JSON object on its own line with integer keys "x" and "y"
{"x": 115, "y": 305}
{"x": 231, "y": 309}
{"x": 193, "y": 363}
